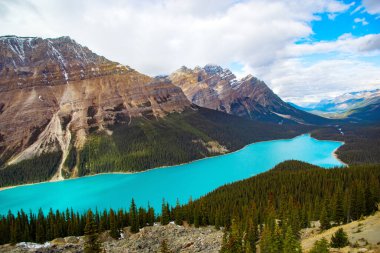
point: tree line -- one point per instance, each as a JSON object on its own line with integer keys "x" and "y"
{"x": 32, "y": 170}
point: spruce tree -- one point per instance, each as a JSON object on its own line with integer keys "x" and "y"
{"x": 150, "y": 216}
{"x": 250, "y": 236}
{"x": 133, "y": 217}
{"x": 370, "y": 202}
{"x": 324, "y": 219}
{"x": 165, "y": 215}
{"x": 320, "y": 246}
{"x": 196, "y": 217}
{"x": 339, "y": 239}
{"x": 266, "y": 240}
{"x": 277, "y": 243}
{"x": 232, "y": 240}
{"x": 178, "y": 214}
{"x": 291, "y": 243}
{"x": 40, "y": 227}
{"x": 92, "y": 244}
{"x": 339, "y": 211}
{"x": 114, "y": 231}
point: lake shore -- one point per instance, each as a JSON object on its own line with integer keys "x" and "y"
{"x": 336, "y": 156}
{"x": 171, "y": 166}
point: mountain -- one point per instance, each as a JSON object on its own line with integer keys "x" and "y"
{"x": 216, "y": 88}
{"x": 344, "y": 102}
{"x": 354, "y": 106}
{"x": 369, "y": 112}
{"x": 55, "y": 91}
{"x": 66, "y": 112}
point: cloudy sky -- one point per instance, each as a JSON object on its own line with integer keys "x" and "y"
{"x": 304, "y": 50}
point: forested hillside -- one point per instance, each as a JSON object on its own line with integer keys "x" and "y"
{"x": 361, "y": 141}
{"x": 34, "y": 170}
{"x": 147, "y": 143}
{"x": 175, "y": 139}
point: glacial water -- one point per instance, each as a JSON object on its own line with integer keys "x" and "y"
{"x": 182, "y": 181}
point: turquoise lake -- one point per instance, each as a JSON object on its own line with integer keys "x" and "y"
{"x": 182, "y": 181}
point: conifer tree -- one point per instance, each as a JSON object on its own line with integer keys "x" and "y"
{"x": 232, "y": 240}
{"x": 371, "y": 205}
{"x": 40, "y": 227}
{"x": 250, "y": 236}
{"x": 103, "y": 222}
{"x": 196, "y": 217}
{"x": 150, "y": 216}
{"x": 320, "y": 246}
{"x": 178, "y": 214}
{"x": 324, "y": 219}
{"x": 339, "y": 239}
{"x": 165, "y": 215}
{"x": 133, "y": 217}
{"x": 291, "y": 243}
{"x": 339, "y": 211}
{"x": 114, "y": 231}
{"x": 92, "y": 244}
{"x": 266, "y": 242}
{"x": 277, "y": 242}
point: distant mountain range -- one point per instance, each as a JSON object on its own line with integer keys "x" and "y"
{"x": 354, "y": 106}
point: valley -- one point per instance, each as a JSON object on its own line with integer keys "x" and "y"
{"x": 90, "y": 147}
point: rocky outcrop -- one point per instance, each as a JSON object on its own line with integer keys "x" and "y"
{"x": 54, "y": 89}
{"x": 149, "y": 239}
{"x": 219, "y": 89}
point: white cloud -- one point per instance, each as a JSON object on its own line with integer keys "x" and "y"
{"x": 324, "y": 79}
{"x": 361, "y": 20}
{"x": 368, "y": 44}
{"x": 372, "y": 6}
{"x": 357, "y": 9}
{"x": 159, "y": 36}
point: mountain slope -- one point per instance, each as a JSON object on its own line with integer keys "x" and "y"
{"x": 177, "y": 138}
{"x": 216, "y": 88}
{"x": 67, "y": 112}
{"x": 52, "y": 90}
{"x": 343, "y": 106}
{"x": 367, "y": 113}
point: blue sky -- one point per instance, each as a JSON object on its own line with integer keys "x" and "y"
{"x": 304, "y": 50}
{"x": 329, "y": 29}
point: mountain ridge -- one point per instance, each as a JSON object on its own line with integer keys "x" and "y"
{"x": 352, "y": 106}
{"x": 217, "y": 88}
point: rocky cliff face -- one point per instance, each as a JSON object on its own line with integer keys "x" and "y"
{"x": 219, "y": 89}
{"x": 54, "y": 89}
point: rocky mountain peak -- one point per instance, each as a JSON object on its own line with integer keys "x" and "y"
{"x": 212, "y": 69}
{"x": 218, "y": 88}
{"x": 35, "y": 61}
